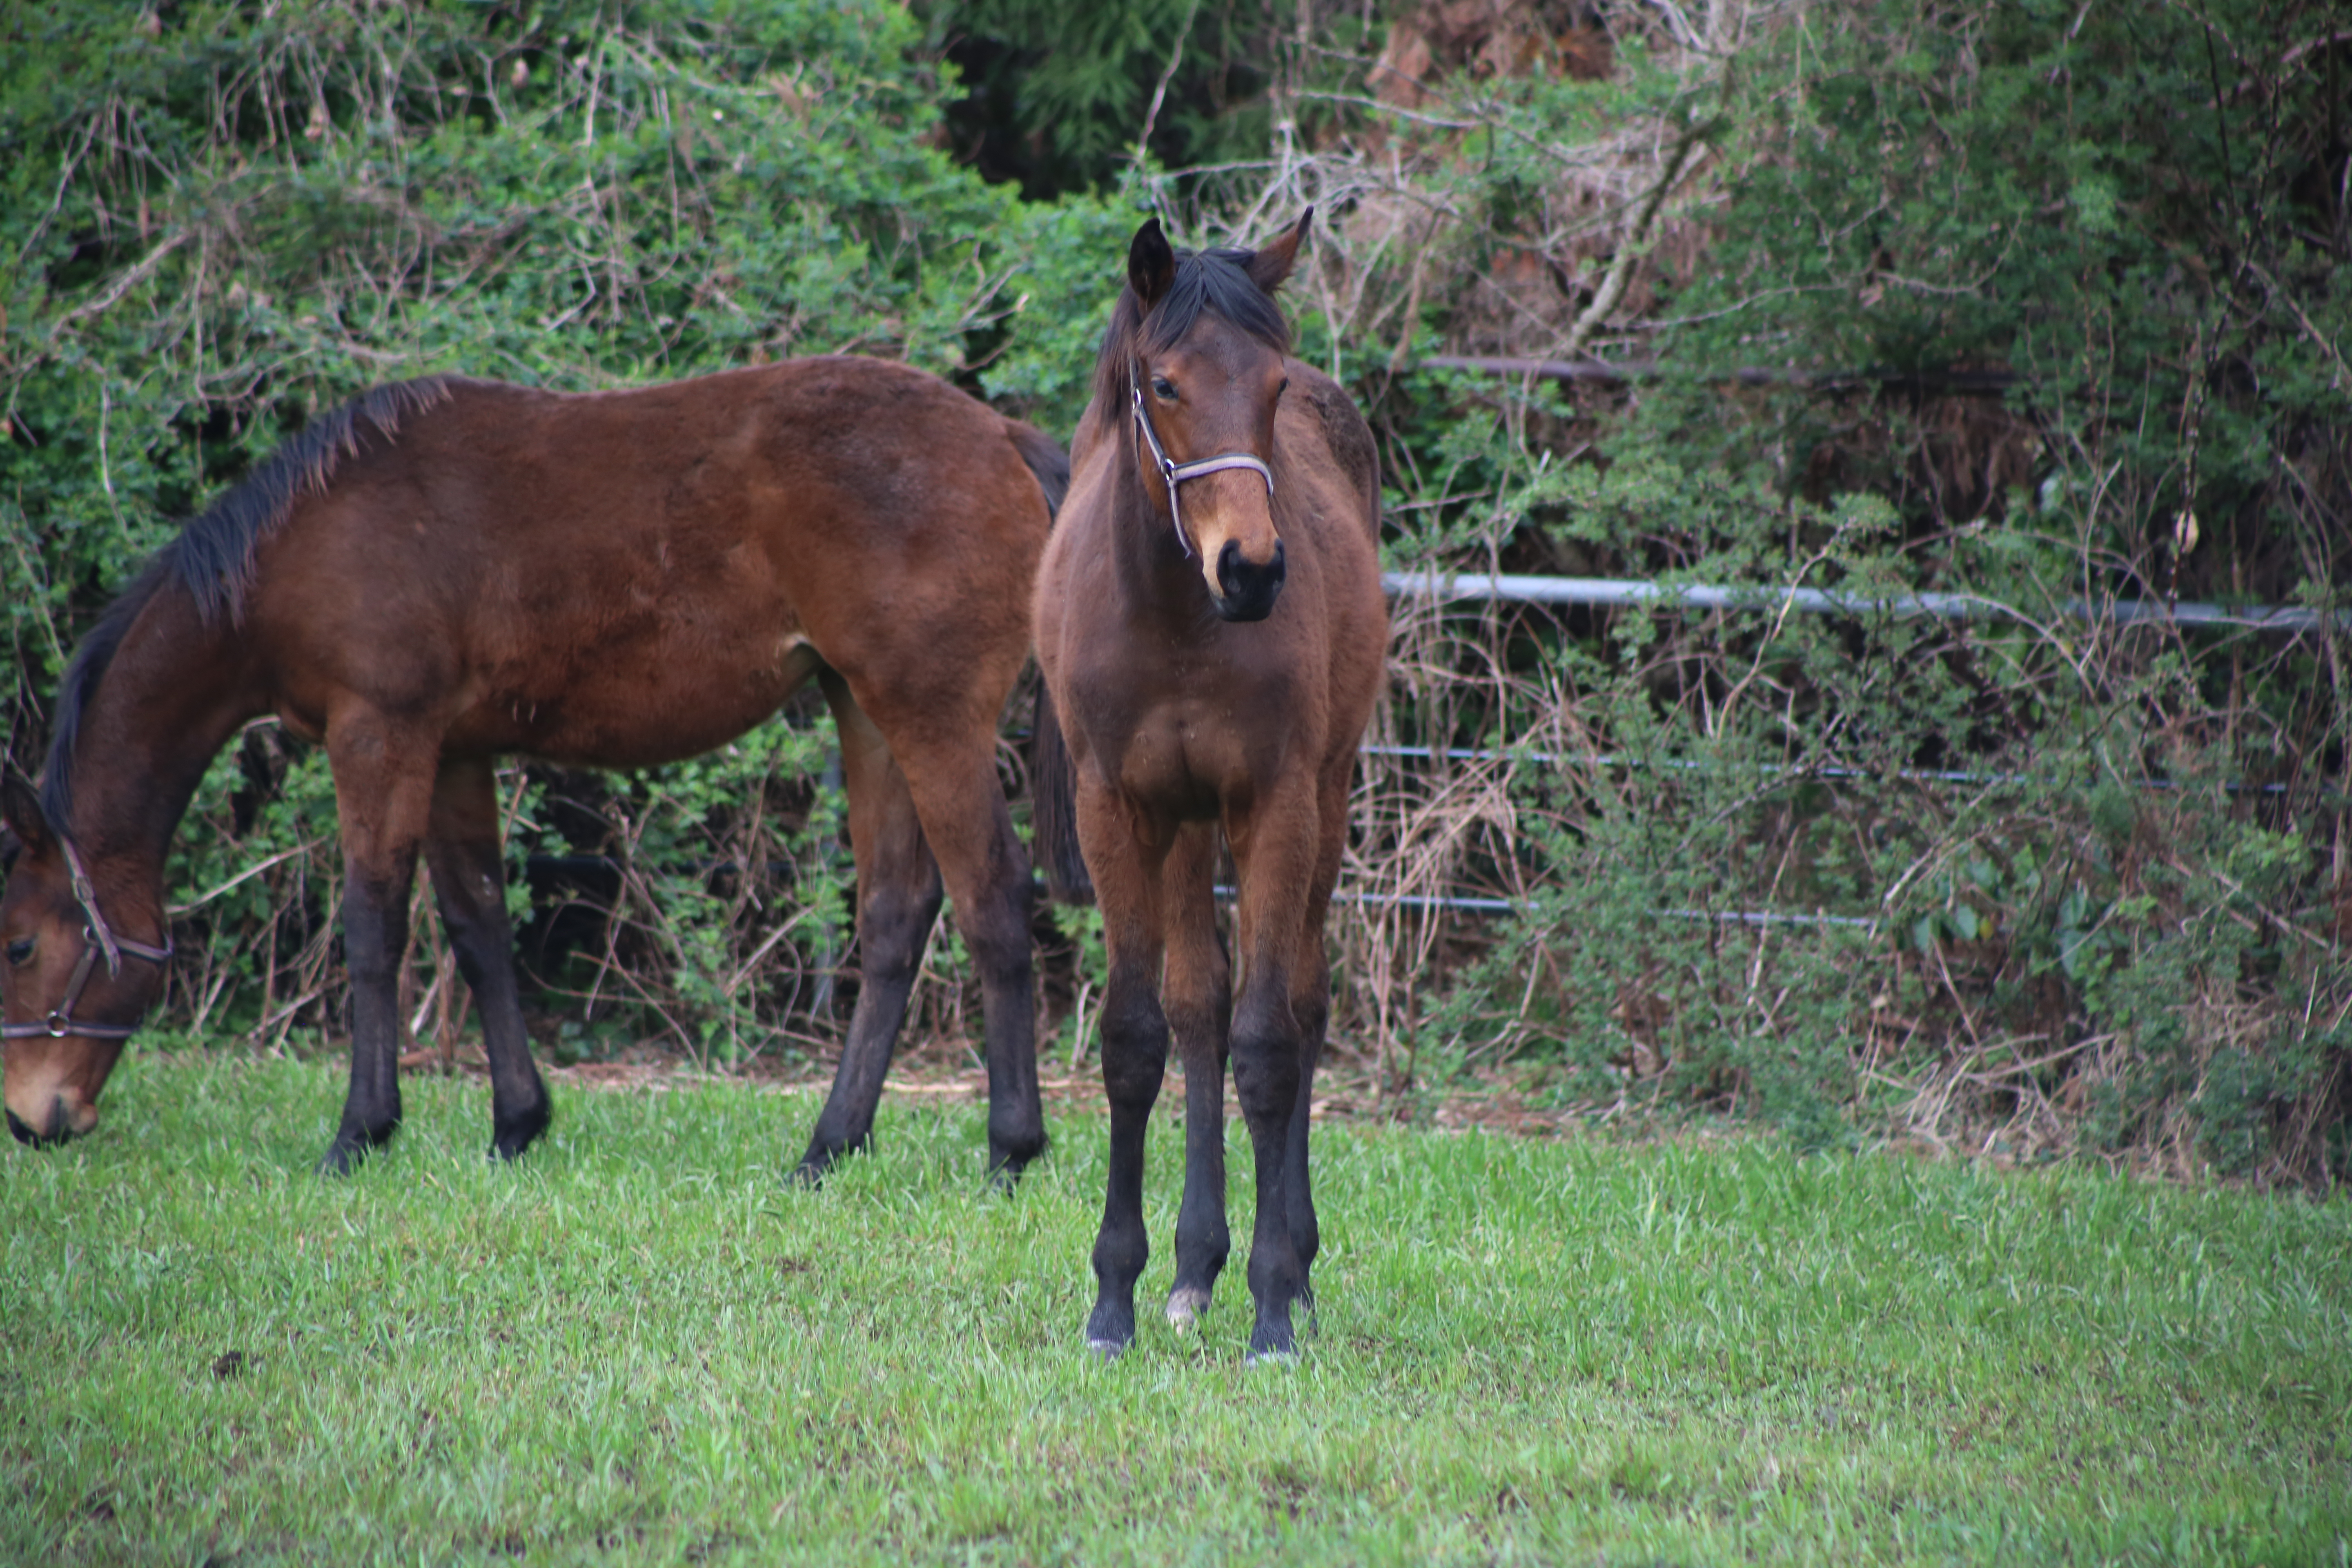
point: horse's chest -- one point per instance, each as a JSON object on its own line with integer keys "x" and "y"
{"x": 1183, "y": 760}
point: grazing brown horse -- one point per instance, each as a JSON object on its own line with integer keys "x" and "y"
{"x": 1211, "y": 628}
{"x": 446, "y": 571}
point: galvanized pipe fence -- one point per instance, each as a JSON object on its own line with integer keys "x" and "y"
{"x": 1513, "y": 588}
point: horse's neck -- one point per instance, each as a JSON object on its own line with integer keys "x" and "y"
{"x": 1156, "y": 579}
{"x": 174, "y": 691}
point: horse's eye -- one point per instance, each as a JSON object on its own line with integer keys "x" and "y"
{"x": 1284, "y": 387}
{"x": 1163, "y": 389}
{"x": 20, "y": 950}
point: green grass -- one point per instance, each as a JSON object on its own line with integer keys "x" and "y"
{"x": 642, "y": 1345}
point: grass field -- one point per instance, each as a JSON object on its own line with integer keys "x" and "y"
{"x": 642, "y": 1345}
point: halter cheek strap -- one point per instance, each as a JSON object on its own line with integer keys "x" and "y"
{"x": 1175, "y": 473}
{"x": 97, "y": 941}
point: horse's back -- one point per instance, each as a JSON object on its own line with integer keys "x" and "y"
{"x": 631, "y": 576}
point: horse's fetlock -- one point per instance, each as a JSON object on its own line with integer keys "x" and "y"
{"x": 1119, "y": 1258}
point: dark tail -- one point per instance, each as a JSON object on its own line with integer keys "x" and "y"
{"x": 1046, "y": 460}
{"x": 1053, "y": 807}
{"x": 1053, "y": 776}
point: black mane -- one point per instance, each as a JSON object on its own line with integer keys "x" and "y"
{"x": 1211, "y": 282}
{"x": 212, "y": 558}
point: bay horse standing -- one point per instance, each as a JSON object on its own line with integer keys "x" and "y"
{"x": 1212, "y": 632}
{"x": 446, "y": 571}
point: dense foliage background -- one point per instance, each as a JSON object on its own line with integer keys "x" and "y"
{"x": 2042, "y": 305}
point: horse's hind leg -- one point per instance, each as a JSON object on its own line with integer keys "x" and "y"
{"x": 898, "y": 900}
{"x": 951, "y": 769}
{"x": 468, "y": 867}
{"x": 1311, "y": 1005}
{"x": 1198, "y": 997}
{"x": 384, "y": 796}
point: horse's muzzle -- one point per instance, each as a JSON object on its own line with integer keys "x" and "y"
{"x": 58, "y": 1126}
{"x": 1249, "y": 589}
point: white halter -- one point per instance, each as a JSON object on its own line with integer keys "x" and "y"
{"x": 1176, "y": 473}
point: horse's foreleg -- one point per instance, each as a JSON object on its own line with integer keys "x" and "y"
{"x": 1275, "y": 852}
{"x": 1134, "y": 1054}
{"x": 1198, "y": 994}
{"x": 468, "y": 867}
{"x": 384, "y": 796}
{"x": 898, "y": 901}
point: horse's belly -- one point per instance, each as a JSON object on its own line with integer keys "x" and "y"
{"x": 641, "y": 706}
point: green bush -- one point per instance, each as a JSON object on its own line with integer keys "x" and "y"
{"x": 2034, "y": 304}
{"x": 220, "y": 218}
{"x": 2091, "y": 865}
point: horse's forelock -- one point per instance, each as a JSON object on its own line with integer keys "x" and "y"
{"x": 1211, "y": 282}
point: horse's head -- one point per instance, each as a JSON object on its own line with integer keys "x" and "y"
{"x": 1206, "y": 370}
{"x": 68, "y": 1009}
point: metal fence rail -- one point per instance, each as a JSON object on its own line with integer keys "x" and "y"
{"x": 1514, "y": 588}
{"x": 1523, "y": 589}
{"x": 1527, "y": 590}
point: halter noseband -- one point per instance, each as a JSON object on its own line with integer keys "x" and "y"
{"x": 97, "y": 940}
{"x": 1176, "y": 473}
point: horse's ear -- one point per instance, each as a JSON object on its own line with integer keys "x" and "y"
{"x": 1270, "y": 265}
{"x": 20, "y": 812}
{"x": 1151, "y": 264}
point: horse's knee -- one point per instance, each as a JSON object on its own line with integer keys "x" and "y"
{"x": 1266, "y": 1066}
{"x": 1134, "y": 1045}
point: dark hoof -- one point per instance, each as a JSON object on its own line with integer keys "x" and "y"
{"x": 1110, "y": 1330}
{"x": 822, "y": 1156}
{"x": 510, "y": 1140}
{"x": 1272, "y": 1344}
{"x": 1006, "y": 1161}
{"x": 346, "y": 1155}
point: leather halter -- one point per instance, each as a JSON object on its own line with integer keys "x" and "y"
{"x": 1176, "y": 473}
{"x": 97, "y": 940}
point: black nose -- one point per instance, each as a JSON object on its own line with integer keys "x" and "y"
{"x": 58, "y": 1130}
{"x": 1250, "y": 589}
